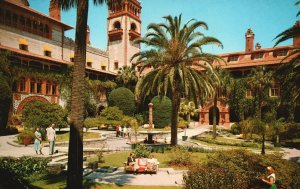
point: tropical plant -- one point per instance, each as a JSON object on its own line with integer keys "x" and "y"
{"x": 187, "y": 108}
{"x": 223, "y": 88}
{"x": 122, "y": 98}
{"x": 240, "y": 169}
{"x": 162, "y": 109}
{"x": 179, "y": 65}
{"x": 42, "y": 114}
{"x": 259, "y": 81}
{"x": 75, "y": 158}
{"x": 291, "y": 70}
{"x": 5, "y": 102}
{"x": 127, "y": 77}
{"x": 135, "y": 126}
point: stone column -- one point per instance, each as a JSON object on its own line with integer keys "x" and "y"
{"x": 150, "y": 105}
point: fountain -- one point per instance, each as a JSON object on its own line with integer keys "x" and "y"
{"x": 150, "y": 132}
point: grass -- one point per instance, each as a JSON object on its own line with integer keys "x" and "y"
{"x": 112, "y": 186}
{"x": 64, "y": 136}
{"x": 118, "y": 159}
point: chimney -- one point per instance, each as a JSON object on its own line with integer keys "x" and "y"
{"x": 249, "y": 40}
{"x": 296, "y": 39}
{"x": 54, "y": 9}
{"x": 257, "y": 46}
{"x": 88, "y": 42}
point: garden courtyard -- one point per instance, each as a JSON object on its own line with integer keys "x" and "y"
{"x": 173, "y": 164}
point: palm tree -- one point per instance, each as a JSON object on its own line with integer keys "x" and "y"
{"x": 187, "y": 108}
{"x": 179, "y": 66}
{"x": 222, "y": 88}
{"x": 127, "y": 77}
{"x": 260, "y": 81}
{"x": 75, "y": 158}
{"x": 292, "y": 69}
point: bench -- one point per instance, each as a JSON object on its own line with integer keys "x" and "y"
{"x": 142, "y": 165}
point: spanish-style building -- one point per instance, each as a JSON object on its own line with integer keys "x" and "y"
{"x": 37, "y": 41}
{"x": 239, "y": 64}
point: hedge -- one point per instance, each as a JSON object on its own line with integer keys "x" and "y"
{"x": 162, "y": 110}
{"x": 124, "y": 99}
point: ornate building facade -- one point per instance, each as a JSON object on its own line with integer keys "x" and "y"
{"x": 37, "y": 42}
{"x": 239, "y": 64}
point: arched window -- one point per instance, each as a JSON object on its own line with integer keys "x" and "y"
{"x": 32, "y": 86}
{"x": 22, "y": 22}
{"x": 15, "y": 20}
{"x": 48, "y": 88}
{"x": 47, "y": 30}
{"x": 22, "y": 85}
{"x": 35, "y": 25}
{"x": 41, "y": 28}
{"x": 39, "y": 86}
{"x": 117, "y": 25}
{"x": 8, "y": 17}
{"x": 28, "y": 24}
{"x": 54, "y": 89}
{"x": 133, "y": 26}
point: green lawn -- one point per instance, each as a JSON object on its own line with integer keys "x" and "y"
{"x": 86, "y": 135}
{"x": 117, "y": 159}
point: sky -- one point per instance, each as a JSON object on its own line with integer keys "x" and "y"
{"x": 228, "y": 20}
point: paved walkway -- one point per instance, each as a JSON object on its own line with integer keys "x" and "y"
{"x": 164, "y": 177}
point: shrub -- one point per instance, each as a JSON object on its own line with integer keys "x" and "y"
{"x": 27, "y": 133}
{"x": 182, "y": 123}
{"x": 180, "y": 156}
{"x": 124, "y": 99}
{"x": 235, "y": 128}
{"x": 112, "y": 113}
{"x": 162, "y": 109}
{"x": 5, "y": 101}
{"x": 43, "y": 114}
{"x": 142, "y": 151}
{"x": 24, "y": 167}
{"x": 241, "y": 169}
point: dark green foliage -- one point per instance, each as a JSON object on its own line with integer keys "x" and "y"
{"x": 141, "y": 151}
{"x": 237, "y": 101}
{"x": 25, "y": 166}
{"x": 240, "y": 144}
{"x": 124, "y": 99}
{"x": 162, "y": 110}
{"x": 112, "y": 113}
{"x": 42, "y": 114}
{"x": 180, "y": 156}
{"x": 12, "y": 180}
{"x": 241, "y": 169}
{"x": 5, "y": 101}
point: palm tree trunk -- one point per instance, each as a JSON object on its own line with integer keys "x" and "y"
{"x": 277, "y": 139}
{"x": 263, "y": 144}
{"x": 75, "y": 156}
{"x": 10, "y": 113}
{"x": 175, "y": 109}
{"x": 215, "y": 117}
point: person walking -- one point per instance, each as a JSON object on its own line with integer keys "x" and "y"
{"x": 51, "y": 135}
{"x": 37, "y": 141}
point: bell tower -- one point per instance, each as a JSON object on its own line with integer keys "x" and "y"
{"x": 124, "y": 25}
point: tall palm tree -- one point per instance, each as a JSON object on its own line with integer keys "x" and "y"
{"x": 260, "y": 81}
{"x": 179, "y": 65}
{"x": 75, "y": 158}
{"x": 187, "y": 108}
{"x": 292, "y": 69}
{"x": 127, "y": 77}
{"x": 222, "y": 87}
